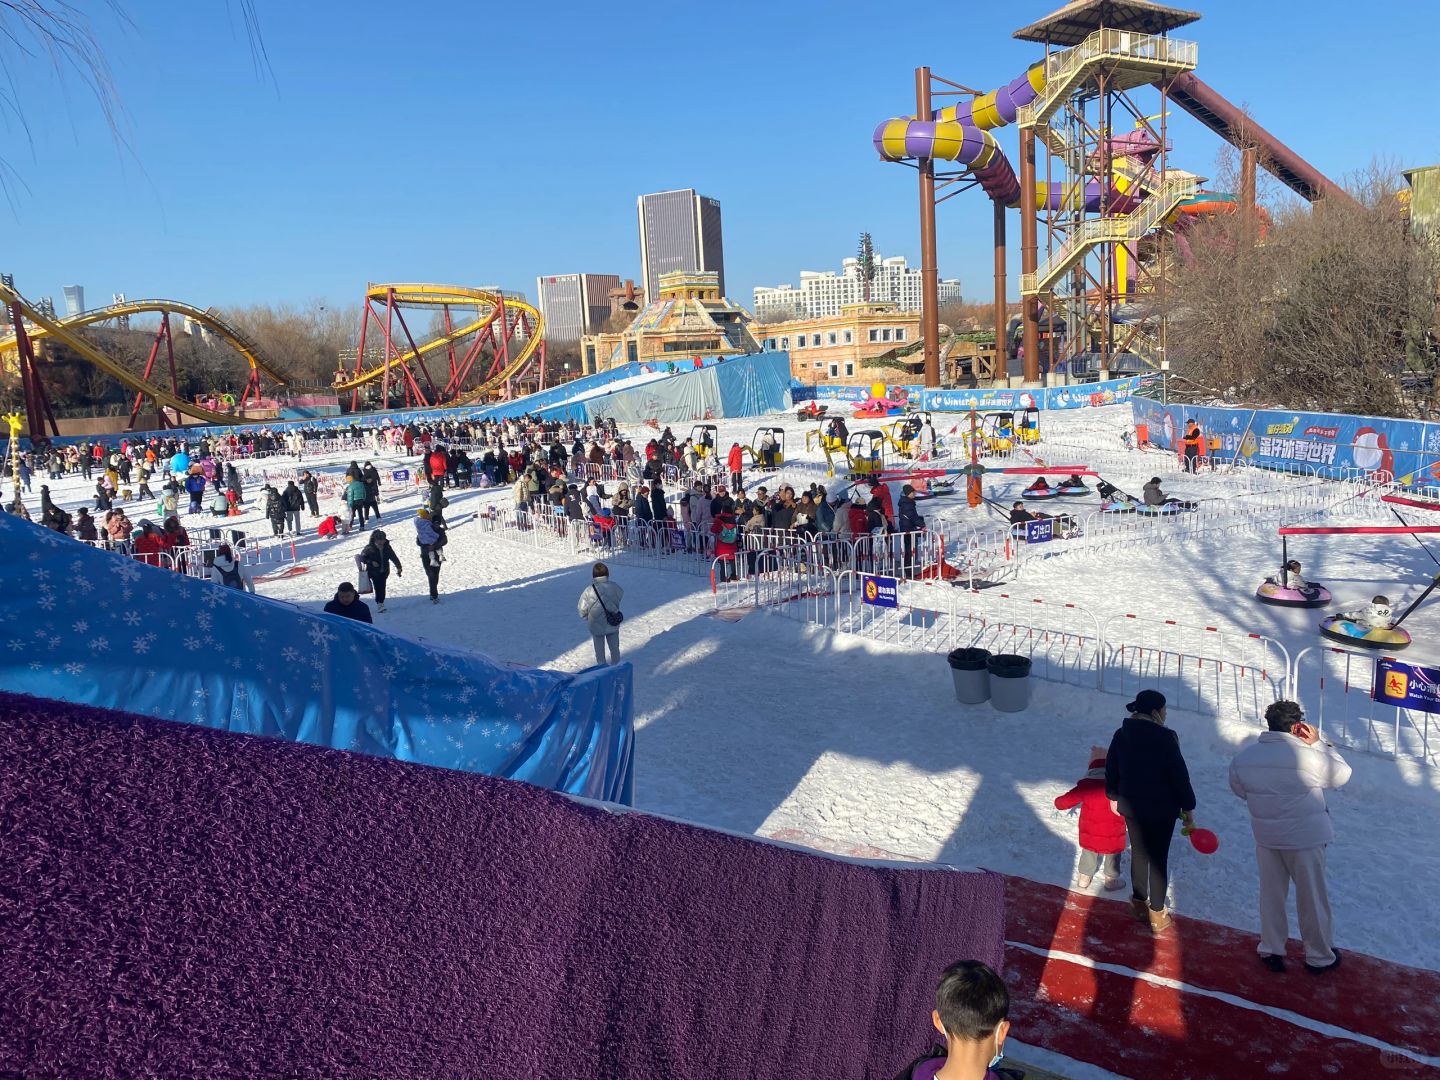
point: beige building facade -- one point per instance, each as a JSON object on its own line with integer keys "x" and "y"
{"x": 836, "y": 348}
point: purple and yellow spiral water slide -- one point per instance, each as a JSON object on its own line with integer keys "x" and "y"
{"x": 961, "y": 133}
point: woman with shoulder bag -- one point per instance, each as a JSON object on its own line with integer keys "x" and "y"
{"x": 600, "y": 608}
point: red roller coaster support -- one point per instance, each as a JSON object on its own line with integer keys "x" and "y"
{"x": 163, "y": 334}
{"x": 32, "y": 386}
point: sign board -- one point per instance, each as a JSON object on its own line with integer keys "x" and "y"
{"x": 879, "y": 591}
{"x": 1040, "y": 531}
{"x": 400, "y": 476}
{"x": 1407, "y": 686}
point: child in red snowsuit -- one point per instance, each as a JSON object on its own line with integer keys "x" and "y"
{"x": 1102, "y": 830}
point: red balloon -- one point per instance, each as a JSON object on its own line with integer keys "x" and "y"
{"x": 1204, "y": 841}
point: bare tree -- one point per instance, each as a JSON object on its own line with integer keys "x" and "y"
{"x": 304, "y": 342}
{"x": 1328, "y": 308}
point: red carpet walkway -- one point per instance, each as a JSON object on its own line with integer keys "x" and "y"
{"x": 1089, "y": 982}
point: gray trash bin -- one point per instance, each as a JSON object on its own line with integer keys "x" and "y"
{"x": 1009, "y": 682}
{"x": 972, "y": 681}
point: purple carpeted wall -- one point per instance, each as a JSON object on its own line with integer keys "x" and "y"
{"x": 180, "y": 902}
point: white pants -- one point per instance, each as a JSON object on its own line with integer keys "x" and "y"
{"x": 613, "y": 637}
{"x": 1312, "y": 903}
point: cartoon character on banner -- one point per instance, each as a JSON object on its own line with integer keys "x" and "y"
{"x": 1372, "y": 453}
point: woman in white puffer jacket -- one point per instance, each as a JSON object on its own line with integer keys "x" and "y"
{"x": 601, "y": 598}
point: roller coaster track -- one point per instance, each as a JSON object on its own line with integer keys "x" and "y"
{"x": 225, "y": 331}
{"x": 60, "y": 330}
{"x": 454, "y": 296}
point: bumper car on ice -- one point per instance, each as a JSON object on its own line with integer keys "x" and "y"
{"x": 1311, "y": 596}
{"x": 1348, "y": 632}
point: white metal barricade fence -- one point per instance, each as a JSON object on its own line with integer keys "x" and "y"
{"x": 1336, "y": 689}
{"x": 1193, "y": 666}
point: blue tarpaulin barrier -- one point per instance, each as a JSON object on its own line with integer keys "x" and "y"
{"x": 93, "y": 627}
{"x": 737, "y": 386}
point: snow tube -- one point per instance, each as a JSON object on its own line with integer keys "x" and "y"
{"x": 1036, "y": 496}
{"x": 1312, "y": 596}
{"x": 1072, "y": 492}
{"x": 1117, "y": 506}
{"x": 1338, "y": 628}
{"x": 871, "y": 412}
{"x": 1166, "y": 510}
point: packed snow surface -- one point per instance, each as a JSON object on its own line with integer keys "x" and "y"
{"x": 765, "y": 724}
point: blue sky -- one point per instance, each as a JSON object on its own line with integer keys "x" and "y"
{"x": 480, "y": 144}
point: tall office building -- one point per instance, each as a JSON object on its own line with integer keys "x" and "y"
{"x": 574, "y": 305}
{"x": 679, "y": 230}
{"x": 74, "y": 299}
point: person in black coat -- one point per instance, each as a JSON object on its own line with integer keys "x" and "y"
{"x": 1145, "y": 775}
{"x": 348, "y": 605}
{"x": 909, "y": 522}
{"x": 657, "y": 503}
{"x": 311, "y": 487}
{"x": 376, "y": 558}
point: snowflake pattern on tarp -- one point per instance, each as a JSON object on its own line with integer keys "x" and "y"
{"x": 222, "y": 658}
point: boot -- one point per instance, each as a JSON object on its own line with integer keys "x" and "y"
{"x": 1083, "y": 881}
{"x": 1159, "y": 920}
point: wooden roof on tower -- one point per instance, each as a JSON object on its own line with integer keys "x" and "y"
{"x": 1078, "y": 19}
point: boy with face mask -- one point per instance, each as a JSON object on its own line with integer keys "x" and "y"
{"x": 971, "y": 1005}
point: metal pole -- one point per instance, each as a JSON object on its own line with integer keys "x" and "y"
{"x": 1029, "y": 255}
{"x": 1000, "y": 343}
{"x": 929, "y": 272}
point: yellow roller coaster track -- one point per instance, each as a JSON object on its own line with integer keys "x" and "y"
{"x": 206, "y": 318}
{"x": 454, "y": 296}
{"x": 59, "y": 330}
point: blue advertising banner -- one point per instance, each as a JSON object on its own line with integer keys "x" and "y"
{"x": 1331, "y": 444}
{"x": 1079, "y": 396}
{"x": 1408, "y": 686}
{"x": 880, "y": 591}
{"x": 1040, "y": 531}
{"x": 400, "y": 476}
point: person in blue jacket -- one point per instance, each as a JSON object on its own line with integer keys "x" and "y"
{"x": 195, "y": 486}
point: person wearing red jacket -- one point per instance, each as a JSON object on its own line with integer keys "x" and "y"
{"x": 726, "y": 531}
{"x": 1102, "y": 830}
{"x": 736, "y": 462}
{"x": 150, "y": 544}
{"x": 439, "y": 462}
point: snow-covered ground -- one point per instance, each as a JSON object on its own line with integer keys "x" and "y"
{"x": 766, "y": 724}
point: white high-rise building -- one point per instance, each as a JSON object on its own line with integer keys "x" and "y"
{"x": 74, "y": 299}
{"x": 823, "y": 293}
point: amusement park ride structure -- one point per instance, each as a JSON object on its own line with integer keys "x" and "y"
{"x": 1109, "y": 202}
{"x": 511, "y": 331}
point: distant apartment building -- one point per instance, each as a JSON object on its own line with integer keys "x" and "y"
{"x": 679, "y": 230}
{"x": 512, "y": 315}
{"x": 574, "y": 305}
{"x": 74, "y": 299}
{"x": 825, "y": 293}
{"x": 836, "y": 348}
